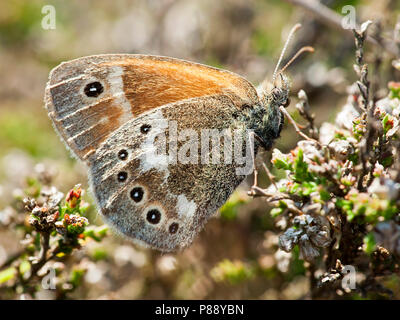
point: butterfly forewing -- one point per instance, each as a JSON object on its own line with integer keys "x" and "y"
{"x": 91, "y": 97}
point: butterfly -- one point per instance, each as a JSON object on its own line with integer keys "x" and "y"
{"x": 116, "y": 111}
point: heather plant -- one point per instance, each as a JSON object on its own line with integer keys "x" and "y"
{"x": 52, "y": 227}
{"x": 339, "y": 202}
{"x": 337, "y": 206}
{"x": 319, "y": 221}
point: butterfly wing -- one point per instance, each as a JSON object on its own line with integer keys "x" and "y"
{"x": 159, "y": 197}
{"x": 91, "y": 97}
{"x": 103, "y": 106}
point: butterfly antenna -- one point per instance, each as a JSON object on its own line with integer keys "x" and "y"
{"x": 298, "y": 53}
{"x": 290, "y": 37}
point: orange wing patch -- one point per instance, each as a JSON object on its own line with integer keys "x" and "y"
{"x": 151, "y": 81}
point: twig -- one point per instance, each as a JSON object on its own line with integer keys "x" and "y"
{"x": 271, "y": 177}
{"x": 45, "y": 246}
{"x": 304, "y": 109}
{"x": 366, "y": 145}
{"x": 330, "y": 17}
{"x": 257, "y": 191}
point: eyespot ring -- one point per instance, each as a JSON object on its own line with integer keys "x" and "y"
{"x": 123, "y": 154}
{"x": 93, "y": 89}
{"x": 153, "y": 216}
{"x": 173, "y": 228}
{"x": 122, "y": 176}
{"x": 145, "y": 128}
{"x": 137, "y": 194}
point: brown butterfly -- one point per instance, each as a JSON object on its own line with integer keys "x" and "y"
{"x": 115, "y": 112}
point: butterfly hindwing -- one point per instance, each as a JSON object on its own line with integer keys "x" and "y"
{"x": 158, "y": 201}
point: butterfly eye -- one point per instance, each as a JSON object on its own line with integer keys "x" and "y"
{"x": 145, "y": 128}
{"x": 122, "y": 176}
{"x": 173, "y": 228}
{"x": 153, "y": 216}
{"x": 93, "y": 89}
{"x": 123, "y": 154}
{"x": 137, "y": 194}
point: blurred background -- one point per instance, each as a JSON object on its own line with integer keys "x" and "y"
{"x": 236, "y": 255}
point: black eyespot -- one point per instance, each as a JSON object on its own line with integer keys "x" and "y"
{"x": 122, "y": 176}
{"x": 173, "y": 228}
{"x": 137, "y": 194}
{"x": 153, "y": 216}
{"x": 123, "y": 154}
{"x": 93, "y": 89}
{"x": 145, "y": 128}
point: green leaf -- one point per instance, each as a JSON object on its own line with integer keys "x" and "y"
{"x": 96, "y": 233}
{"x": 301, "y": 172}
{"x": 229, "y": 210}
{"x": 99, "y": 254}
{"x": 394, "y": 88}
{"x": 325, "y": 195}
{"x": 308, "y": 188}
{"x": 276, "y": 212}
{"x": 387, "y": 162}
{"x": 281, "y": 164}
{"x": 76, "y": 276}
{"x": 233, "y": 272}
{"x": 280, "y": 161}
{"x": 24, "y": 267}
{"x": 7, "y": 274}
{"x": 370, "y": 244}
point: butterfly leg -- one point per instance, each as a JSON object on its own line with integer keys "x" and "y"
{"x": 255, "y": 171}
{"x": 291, "y": 120}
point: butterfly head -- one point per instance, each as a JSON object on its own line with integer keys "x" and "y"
{"x": 266, "y": 119}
